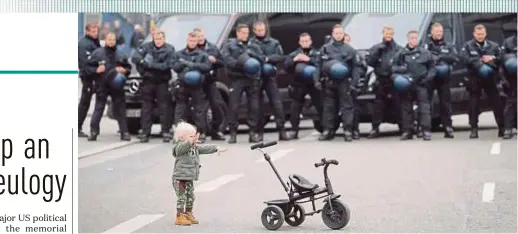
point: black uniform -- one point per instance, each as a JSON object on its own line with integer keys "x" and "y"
{"x": 154, "y": 65}
{"x": 339, "y": 91}
{"x": 380, "y": 58}
{"x": 299, "y": 88}
{"x": 216, "y": 101}
{"x": 355, "y": 92}
{"x": 444, "y": 53}
{"x": 418, "y": 64}
{"x": 111, "y": 58}
{"x": 240, "y": 82}
{"x": 86, "y": 46}
{"x": 471, "y": 54}
{"x": 509, "y": 85}
{"x": 191, "y": 60}
{"x": 272, "y": 49}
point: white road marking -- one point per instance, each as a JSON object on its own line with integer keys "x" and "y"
{"x": 495, "y": 149}
{"x": 216, "y": 183}
{"x": 275, "y": 155}
{"x": 311, "y": 137}
{"x": 488, "y": 194}
{"x": 116, "y": 154}
{"x": 135, "y": 223}
{"x": 105, "y": 148}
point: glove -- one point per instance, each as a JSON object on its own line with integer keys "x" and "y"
{"x": 318, "y": 85}
{"x": 144, "y": 64}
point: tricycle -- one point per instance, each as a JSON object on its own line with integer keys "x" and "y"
{"x": 335, "y": 214}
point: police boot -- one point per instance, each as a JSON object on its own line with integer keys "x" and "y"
{"x": 508, "y": 134}
{"x": 166, "y": 137}
{"x": 125, "y": 136}
{"x": 406, "y": 136}
{"x": 259, "y": 136}
{"x": 233, "y": 137}
{"x": 501, "y": 132}
{"x": 375, "y": 132}
{"x": 474, "y": 133}
{"x": 93, "y": 136}
{"x": 144, "y": 138}
{"x": 283, "y": 136}
{"x": 448, "y": 132}
{"x": 217, "y": 136}
{"x": 348, "y": 136}
{"x": 254, "y": 137}
{"x": 202, "y": 138}
{"x": 295, "y": 134}
{"x": 427, "y": 136}
{"x": 356, "y": 135}
{"x": 419, "y": 132}
{"x": 326, "y": 136}
{"x": 82, "y": 134}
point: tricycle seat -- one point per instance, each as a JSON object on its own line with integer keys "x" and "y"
{"x": 301, "y": 184}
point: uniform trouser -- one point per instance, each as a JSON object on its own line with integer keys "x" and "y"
{"x": 356, "y": 118}
{"x": 510, "y": 104}
{"x": 420, "y": 95}
{"x": 386, "y": 99}
{"x": 298, "y": 91}
{"x": 215, "y": 102}
{"x": 337, "y": 96}
{"x": 269, "y": 84}
{"x": 158, "y": 90}
{"x": 87, "y": 90}
{"x": 184, "y": 190}
{"x": 251, "y": 87}
{"x": 475, "y": 86}
{"x": 442, "y": 85}
{"x": 198, "y": 102}
{"x": 102, "y": 91}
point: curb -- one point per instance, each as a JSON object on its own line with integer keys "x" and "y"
{"x": 106, "y": 149}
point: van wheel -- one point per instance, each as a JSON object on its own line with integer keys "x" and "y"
{"x": 133, "y": 125}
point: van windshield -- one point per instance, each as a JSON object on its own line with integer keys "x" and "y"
{"x": 365, "y": 28}
{"x": 177, "y": 26}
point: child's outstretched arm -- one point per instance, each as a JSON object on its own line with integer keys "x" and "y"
{"x": 181, "y": 148}
{"x": 207, "y": 149}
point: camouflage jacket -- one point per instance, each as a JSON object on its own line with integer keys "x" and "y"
{"x": 187, "y": 159}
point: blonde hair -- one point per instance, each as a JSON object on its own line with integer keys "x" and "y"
{"x": 182, "y": 129}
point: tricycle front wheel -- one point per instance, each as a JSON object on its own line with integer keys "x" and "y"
{"x": 336, "y": 214}
{"x": 296, "y": 217}
{"x": 272, "y": 217}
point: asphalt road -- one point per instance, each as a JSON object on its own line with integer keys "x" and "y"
{"x": 445, "y": 185}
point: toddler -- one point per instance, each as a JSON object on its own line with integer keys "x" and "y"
{"x": 187, "y": 150}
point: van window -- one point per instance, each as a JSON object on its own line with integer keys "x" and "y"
{"x": 446, "y": 20}
{"x": 248, "y": 19}
{"x": 365, "y": 29}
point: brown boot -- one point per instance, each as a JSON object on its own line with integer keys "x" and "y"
{"x": 190, "y": 217}
{"x": 181, "y": 219}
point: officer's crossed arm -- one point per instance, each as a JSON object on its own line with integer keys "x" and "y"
{"x": 124, "y": 63}
{"x": 166, "y": 65}
{"x": 465, "y": 56}
{"x": 219, "y": 59}
{"x": 93, "y": 62}
{"x": 204, "y": 65}
{"x": 374, "y": 55}
{"x": 430, "y": 66}
{"x": 178, "y": 66}
{"x": 255, "y": 51}
{"x": 398, "y": 65}
{"x": 451, "y": 57}
{"x": 229, "y": 61}
{"x": 138, "y": 56}
{"x": 278, "y": 56}
{"x": 289, "y": 64}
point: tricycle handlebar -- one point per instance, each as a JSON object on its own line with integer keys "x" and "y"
{"x": 261, "y": 145}
{"x": 324, "y": 161}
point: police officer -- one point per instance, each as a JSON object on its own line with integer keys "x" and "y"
{"x": 298, "y": 62}
{"x": 105, "y": 63}
{"x": 418, "y": 64}
{"x": 445, "y": 56}
{"x": 482, "y": 58}
{"x": 154, "y": 61}
{"x": 509, "y": 84}
{"x": 87, "y": 45}
{"x": 272, "y": 49}
{"x": 337, "y": 87}
{"x": 192, "y": 62}
{"x": 380, "y": 58}
{"x": 234, "y": 52}
{"x": 355, "y": 91}
{"x": 216, "y": 102}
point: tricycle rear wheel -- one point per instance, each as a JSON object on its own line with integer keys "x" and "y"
{"x": 338, "y": 217}
{"x": 272, "y": 217}
{"x": 296, "y": 216}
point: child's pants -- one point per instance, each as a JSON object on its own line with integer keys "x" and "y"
{"x": 184, "y": 190}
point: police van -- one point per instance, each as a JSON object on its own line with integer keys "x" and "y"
{"x": 219, "y": 28}
{"x": 365, "y": 30}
